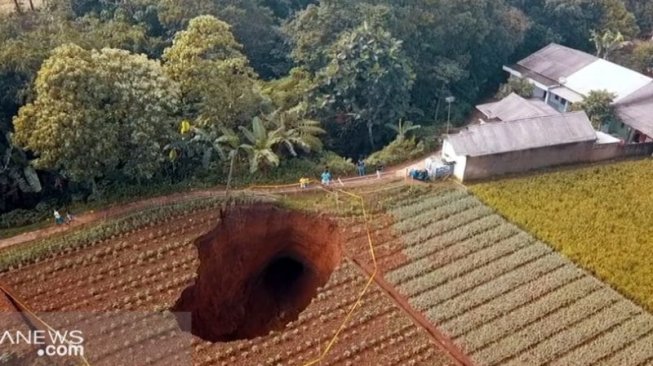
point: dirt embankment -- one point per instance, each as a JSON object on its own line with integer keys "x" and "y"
{"x": 259, "y": 268}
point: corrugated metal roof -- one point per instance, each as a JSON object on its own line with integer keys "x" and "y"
{"x": 515, "y": 107}
{"x": 637, "y": 110}
{"x": 555, "y": 61}
{"x": 502, "y": 137}
{"x": 526, "y": 73}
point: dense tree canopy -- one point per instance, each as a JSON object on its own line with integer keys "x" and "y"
{"x": 295, "y": 66}
{"x": 366, "y": 84}
{"x": 218, "y": 87}
{"x": 98, "y": 113}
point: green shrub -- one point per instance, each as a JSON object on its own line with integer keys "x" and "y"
{"x": 398, "y": 151}
{"x": 338, "y": 165}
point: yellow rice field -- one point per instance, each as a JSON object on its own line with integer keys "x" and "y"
{"x": 600, "y": 217}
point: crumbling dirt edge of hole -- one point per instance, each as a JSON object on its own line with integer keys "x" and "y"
{"x": 232, "y": 298}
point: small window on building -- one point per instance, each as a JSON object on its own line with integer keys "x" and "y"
{"x": 556, "y": 97}
{"x": 622, "y": 125}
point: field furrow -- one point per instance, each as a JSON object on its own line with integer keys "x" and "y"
{"x": 549, "y": 272}
{"x": 441, "y": 227}
{"x": 469, "y": 319}
{"x": 434, "y": 259}
{"x": 531, "y": 313}
{"x": 607, "y": 344}
{"x": 551, "y": 348}
{"x": 521, "y": 339}
{"x": 429, "y": 290}
{"x": 636, "y": 353}
{"x": 481, "y": 232}
{"x": 495, "y": 287}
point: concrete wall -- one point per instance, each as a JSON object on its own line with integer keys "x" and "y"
{"x": 449, "y": 155}
{"x": 560, "y": 104}
{"x": 539, "y": 93}
{"x": 522, "y": 161}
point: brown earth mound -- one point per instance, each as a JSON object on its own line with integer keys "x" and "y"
{"x": 259, "y": 268}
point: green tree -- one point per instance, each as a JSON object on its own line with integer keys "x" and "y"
{"x": 291, "y": 90}
{"x": 367, "y": 82}
{"x": 16, "y": 175}
{"x": 99, "y": 113}
{"x": 643, "y": 57}
{"x": 315, "y": 29}
{"x": 599, "y": 109}
{"x": 218, "y": 87}
{"x": 227, "y": 144}
{"x": 607, "y": 42}
{"x": 254, "y": 26}
{"x": 260, "y": 144}
{"x": 643, "y": 11}
{"x": 618, "y": 19}
{"x": 403, "y": 128}
{"x": 295, "y": 129}
{"x": 515, "y": 85}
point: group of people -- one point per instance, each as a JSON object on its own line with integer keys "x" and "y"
{"x": 60, "y": 220}
{"x": 327, "y": 178}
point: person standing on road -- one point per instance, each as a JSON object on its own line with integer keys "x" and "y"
{"x": 69, "y": 218}
{"x": 326, "y": 177}
{"x": 361, "y": 167}
{"x": 303, "y": 183}
{"x": 379, "y": 170}
{"x": 57, "y": 218}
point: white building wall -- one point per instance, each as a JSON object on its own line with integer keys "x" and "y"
{"x": 449, "y": 155}
{"x": 557, "y": 102}
{"x": 459, "y": 168}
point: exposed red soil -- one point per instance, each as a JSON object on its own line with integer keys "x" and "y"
{"x": 259, "y": 268}
{"x": 6, "y": 306}
{"x": 149, "y": 268}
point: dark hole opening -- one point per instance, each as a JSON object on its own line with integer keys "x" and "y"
{"x": 282, "y": 275}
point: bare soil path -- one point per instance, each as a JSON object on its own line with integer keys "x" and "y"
{"x": 118, "y": 210}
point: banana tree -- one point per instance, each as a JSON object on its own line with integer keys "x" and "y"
{"x": 229, "y": 147}
{"x": 403, "y": 128}
{"x": 260, "y": 145}
{"x": 295, "y": 130}
{"x": 16, "y": 174}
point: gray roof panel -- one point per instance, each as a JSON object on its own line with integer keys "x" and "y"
{"x": 524, "y": 134}
{"x": 636, "y": 110}
{"x": 515, "y": 107}
{"x": 555, "y": 61}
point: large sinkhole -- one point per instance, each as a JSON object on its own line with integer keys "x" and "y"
{"x": 259, "y": 268}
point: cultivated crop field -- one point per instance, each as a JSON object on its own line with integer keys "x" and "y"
{"x": 500, "y": 295}
{"x": 144, "y": 262}
{"x": 456, "y": 284}
{"x": 599, "y": 217}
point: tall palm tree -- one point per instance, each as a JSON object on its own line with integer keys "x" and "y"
{"x": 260, "y": 145}
{"x": 403, "y": 128}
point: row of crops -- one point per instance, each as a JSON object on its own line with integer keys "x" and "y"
{"x": 145, "y": 267}
{"x": 600, "y": 217}
{"x": 501, "y": 295}
{"x": 18, "y": 256}
{"x": 379, "y": 330}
